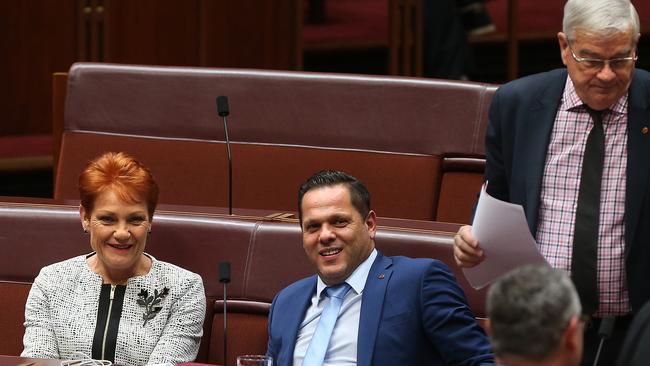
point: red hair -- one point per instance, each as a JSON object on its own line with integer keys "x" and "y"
{"x": 121, "y": 173}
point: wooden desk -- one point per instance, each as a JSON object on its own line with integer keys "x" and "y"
{"x": 24, "y": 361}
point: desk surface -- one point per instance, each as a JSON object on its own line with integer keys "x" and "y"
{"x": 24, "y": 361}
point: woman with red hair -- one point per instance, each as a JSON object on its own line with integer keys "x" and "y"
{"x": 117, "y": 303}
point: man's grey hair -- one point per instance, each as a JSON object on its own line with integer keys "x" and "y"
{"x": 529, "y": 309}
{"x": 604, "y": 18}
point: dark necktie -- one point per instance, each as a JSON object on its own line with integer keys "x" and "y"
{"x": 584, "y": 262}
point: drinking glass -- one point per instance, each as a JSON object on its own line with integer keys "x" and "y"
{"x": 254, "y": 360}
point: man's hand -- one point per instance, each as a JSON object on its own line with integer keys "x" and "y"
{"x": 467, "y": 252}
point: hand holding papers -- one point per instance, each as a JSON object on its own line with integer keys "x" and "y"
{"x": 503, "y": 234}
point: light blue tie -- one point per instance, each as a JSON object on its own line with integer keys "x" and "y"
{"x": 321, "y": 339}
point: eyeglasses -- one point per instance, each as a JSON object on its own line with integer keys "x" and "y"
{"x": 596, "y": 64}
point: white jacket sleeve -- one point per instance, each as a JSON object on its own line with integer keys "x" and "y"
{"x": 181, "y": 337}
{"x": 39, "y": 340}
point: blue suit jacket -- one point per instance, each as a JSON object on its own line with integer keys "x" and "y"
{"x": 415, "y": 314}
{"x": 521, "y": 120}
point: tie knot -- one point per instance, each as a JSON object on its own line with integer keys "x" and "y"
{"x": 596, "y": 116}
{"x": 338, "y": 291}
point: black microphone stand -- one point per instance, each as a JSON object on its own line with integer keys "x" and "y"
{"x": 223, "y": 110}
{"x": 224, "y": 277}
{"x": 604, "y": 332}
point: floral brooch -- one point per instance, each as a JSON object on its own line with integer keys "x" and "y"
{"x": 150, "y": 303}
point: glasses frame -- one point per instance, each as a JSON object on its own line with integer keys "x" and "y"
{"x": 601, "y": 62}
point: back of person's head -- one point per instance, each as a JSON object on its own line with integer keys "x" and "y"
{"x": 529, "y": 310}
{"x": 129, "y": 179}
{"x": 359, "y": 194}
{"x": 636, "y": 348}
{"x": 604, "y": 18}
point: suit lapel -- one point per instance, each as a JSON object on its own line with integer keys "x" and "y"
{"x": 537, "y": 132}
{"x": 638, "y": 155}
{"x": 371, "y": 308}
{"x": 294, "y": 317}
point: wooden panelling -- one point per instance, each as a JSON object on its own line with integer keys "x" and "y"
{"x": 252, "y": 34}
{"x": 405, "y": 38}
{"x": 41, "y": 37}
{"x": 37, "y": 38}
{"x": 151, "y": 32}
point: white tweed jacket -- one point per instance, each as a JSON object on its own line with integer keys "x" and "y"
{"x": 61, "y": 314}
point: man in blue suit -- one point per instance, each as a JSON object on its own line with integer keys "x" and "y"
{"x": 539, "y": 144}
{"x": 392, "y": 311}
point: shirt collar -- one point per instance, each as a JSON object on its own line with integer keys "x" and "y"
{"x": 571, "y": 101}
{"x": 357, "y": 279}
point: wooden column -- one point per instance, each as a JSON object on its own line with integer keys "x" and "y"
{"x": 513, "y": 40}
{"x": 405, "y": 37}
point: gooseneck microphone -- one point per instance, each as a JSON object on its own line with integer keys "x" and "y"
{"x": 604, "y": 331}
{"x": 224, "y": 277}
{"x": 224, "y": 111}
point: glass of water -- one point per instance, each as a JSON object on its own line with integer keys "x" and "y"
{"x": 254, "y": 360}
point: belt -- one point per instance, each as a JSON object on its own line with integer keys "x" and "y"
{"x": 622, "y": 323}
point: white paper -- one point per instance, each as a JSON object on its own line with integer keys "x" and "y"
{"x": 502, "y": 232}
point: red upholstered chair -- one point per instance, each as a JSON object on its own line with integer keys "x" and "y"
{"x": 247, "y": 330}
{"x": 13, "y": 296}
{"x": 394, "y": 133}
{"x": 265, "y": 254}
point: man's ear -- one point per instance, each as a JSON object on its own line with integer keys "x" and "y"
{"x": 572, "y": 337}
{"x": 563, "y": 42}
{"x": 488, "y": 327}
{"x": 371, "y": 223}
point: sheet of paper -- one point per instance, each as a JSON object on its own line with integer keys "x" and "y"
{"x": 503, "y": 234}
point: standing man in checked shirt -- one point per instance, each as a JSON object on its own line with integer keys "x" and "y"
{"x": 572, "y": 147}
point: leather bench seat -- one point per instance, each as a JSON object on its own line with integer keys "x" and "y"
{"x": 416, "y": 143}
{"x": 265, "y": 255}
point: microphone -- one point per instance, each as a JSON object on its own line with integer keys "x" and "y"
{"x": 224, "y": 277}
{"x": 222, "y": 106}
{"x": 604, "y": 332}
{"x": 224, "y": 272}
{"x": 223, "y": 110}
